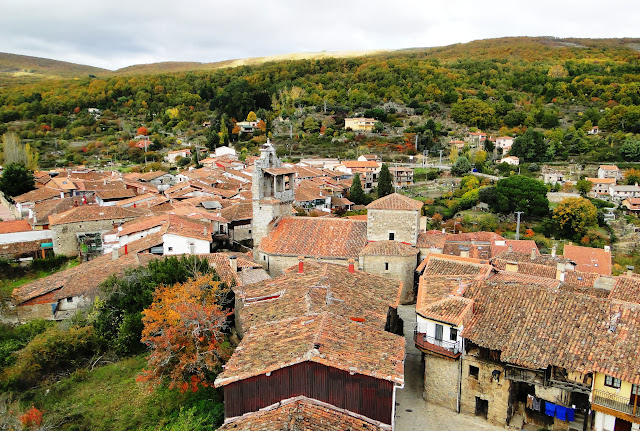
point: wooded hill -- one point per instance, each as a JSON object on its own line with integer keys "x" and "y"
{"x": 560, "y": 86}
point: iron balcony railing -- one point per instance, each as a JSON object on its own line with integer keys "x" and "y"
{"x": 426, "y": 342}
{"x": 615, "y": 402}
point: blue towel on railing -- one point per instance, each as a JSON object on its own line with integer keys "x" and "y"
{"x": 549, "y": 409}
{"x": 571, "y": 415}
{"x": 561, "y": 413}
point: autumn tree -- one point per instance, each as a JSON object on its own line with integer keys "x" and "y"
{"x": 574, "y": 216}
{"x": 184, "y": 329}
{"x": 632, "y": 176}
{"x": 252, "y": 116}
{"x": 143, "y": 131}
{"x": 473, "y": 112}
{"x": 385, "y": 182}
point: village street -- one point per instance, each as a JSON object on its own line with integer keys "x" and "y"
{"x": 412, "y": 413}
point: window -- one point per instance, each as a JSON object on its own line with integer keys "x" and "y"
{"x": 634, "y": 390}
{"x": 453, "y": 334}
{"x": 69, "y": 299}
{"x": 170, "y": 248}
{"x": 392, "y": 236}
{"x": 438, "y": 332}
{"x": 386, "y": 266}
{"x": 612, "y": 382}
{"x": 474, "y": 371}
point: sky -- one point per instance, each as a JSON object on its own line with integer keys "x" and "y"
{"x": 116, "y": 33}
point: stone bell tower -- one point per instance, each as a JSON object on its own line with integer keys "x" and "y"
{"x": 271, "y": 190}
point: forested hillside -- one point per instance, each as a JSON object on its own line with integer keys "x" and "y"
{"x": 504, "y": 86}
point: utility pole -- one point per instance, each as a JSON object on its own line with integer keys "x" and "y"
{"x": 416, "y": 142}
{"x": 518, "y": 225}
{"x": 290, "y": 131}
{"x": 441, "y": 157}
{"x": 325, "y": 105}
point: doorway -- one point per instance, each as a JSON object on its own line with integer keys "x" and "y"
{"x": 482, "y": 407}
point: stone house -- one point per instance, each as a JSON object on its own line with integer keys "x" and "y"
{"x": 84, "y": 225}
{"x": 394, "y": 217}
{"x": 609, "y": 171}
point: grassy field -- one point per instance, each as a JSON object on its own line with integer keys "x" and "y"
{"x": 7, "y": 285}
{"x": 109, "y": 398}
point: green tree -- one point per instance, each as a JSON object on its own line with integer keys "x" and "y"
{"x": 530, "y": 147}
{"x": 311, "y": 125}
{"x": 356, "y": 194}
{"x": 630, "y": 150}
{"x": 16, "y": 180}
{"x": 574, "y": 216}
{"x": 584, "y": 187}
{"x": 461, "y": 166}
{"x": 473, "y": 112}
{"x": 213, "y": 140}
{"x": 385, "y": 182}
{"x": 520, "y": 193}
{"x": 224, "y": 129}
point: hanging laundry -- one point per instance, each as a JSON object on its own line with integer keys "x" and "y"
{"x": 537, "y": 404}
{"x": 549, "y": 409}
{"x": 571, "y": 415}
{"x": 530, "y": 402}
{"x": 561, "y": 413}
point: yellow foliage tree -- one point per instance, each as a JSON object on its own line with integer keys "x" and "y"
{"x": 252, "y": 116}
{"x": 575, "y": 216}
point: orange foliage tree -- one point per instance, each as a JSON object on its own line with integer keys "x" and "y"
{"x": 143, "y": 130}
{"x": 32, "y": 418}
{"x": 184, "y": 328}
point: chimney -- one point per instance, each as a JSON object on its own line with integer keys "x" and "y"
{"x": 554, "y": 250}
{"x": 510, "y": 247}
{"x": 126, "y": 249}
{"x": 233, "y": 261}
{"x": 533, "y": 253}
{"x": 134, "y": 204}
{"x": 630, "y": 269}
{"x": 205, "y": 231}
{"x": 607, "y": 248}
{"x": 114, "y": 254}
{"x": 352, "y": 268}
{"x": 300, "y": 264}
{"x": 560, "y": 271}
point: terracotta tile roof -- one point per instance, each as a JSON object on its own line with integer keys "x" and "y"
{"x": 86, "y": 185}
{"x": 325, "y": 339}
{"x": 151, "y": 175}
{"x": 14, "y": 226}
{"x": 83, "y": 279}
{"x": 42, "y": 210}
{"x": 472, "y": 249}
{"x": 306, "y": 193}
{"x": 589, "y": 259}
{"x": 147, "y": 199}
{"x": 481, "y": 236}
{"x": 454, "y": 310}
{"x": 395, "y": 201}
{"x": 388, "y": 248}
{"x": 609, "y": 167}
{"x": 602, "y": 180}
{"x": 362, "y": 217}
{"x": 535, "y": 326}
{"x": 37, "y": 195}
{"x": 627, "y": 288}
{"x": 441, "y": 264}
{"x": 61, "y": 183}
{"x": 93, "y": 213}
{"x": 321, "y": 287}
{"x": 357, "y": 164}
{"x": 115, "y": 194}
{"x": 340, "y": 202}
{"x": 520, "y": 246}
{"x": 302, "y": 414}
{"x": 221, "y": 263}
{"x": 316, "y": 237}
{"x": 142, "y": 187}
{"x": 237, "y": 212}
{"x": 431, "y": 238}
{"x": 280, "y": 171}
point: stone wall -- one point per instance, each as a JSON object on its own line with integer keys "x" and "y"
{"x": 65, "y": 240}
{"x": 276, "y": 264}
{"x": 441, "y": 377}
{"x": 485, "y": 387}
{"x": 401, "y": 268}
{"x": 263, "y": 215}
{"x": 35, "y": 311}
{"x": 404, "y": 225}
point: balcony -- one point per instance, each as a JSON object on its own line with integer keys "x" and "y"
{"x": 535, "y": 377}
{"x": 615, "y": 402}
{"x": 424, "y": 343}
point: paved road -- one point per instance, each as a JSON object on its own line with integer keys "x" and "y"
{"x": 412, "y": 413}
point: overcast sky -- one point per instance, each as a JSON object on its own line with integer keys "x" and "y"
{"x": 118, "y": 33}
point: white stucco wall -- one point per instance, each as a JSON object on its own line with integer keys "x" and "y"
{"x": 426, "y": 326}
{"x": 31, "y": 235}
{"x": 174, "y": 244}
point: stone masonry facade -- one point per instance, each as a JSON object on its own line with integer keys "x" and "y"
{"x": 486, "y": 387}
{"x": 403, "y": 224}
{"x": 441, "y": 381}
{"x": 400, "y": 268}
{"x": 65, "y": 240}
